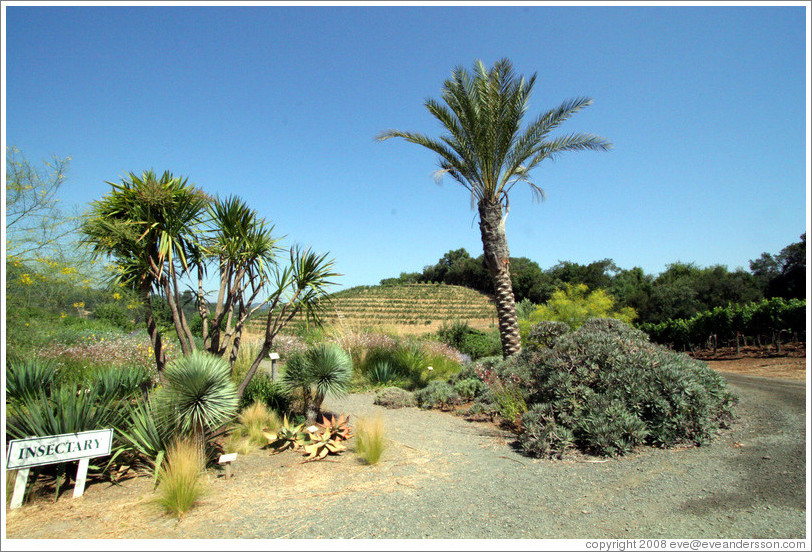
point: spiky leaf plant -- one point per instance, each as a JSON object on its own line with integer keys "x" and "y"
{"x": 288, "y": 437}
{"x": 321, "y": 444}
{"x": 198, "y": 394}
{"x": 26, "y": 378}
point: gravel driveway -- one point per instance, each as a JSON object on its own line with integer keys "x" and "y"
{"x": 446, "y": 478}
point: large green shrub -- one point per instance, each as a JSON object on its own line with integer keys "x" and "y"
{"x": 613, "y": 389}
{"x": 394, "y": 397}
{"x": 437, "y": 394}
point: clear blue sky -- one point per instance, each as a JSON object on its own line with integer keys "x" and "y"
{"x": 706, "y": 108}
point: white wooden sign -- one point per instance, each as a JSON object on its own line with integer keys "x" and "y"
{"x": 24, "y": 454}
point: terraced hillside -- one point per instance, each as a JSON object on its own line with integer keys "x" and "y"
{"x": 410, "y": 308}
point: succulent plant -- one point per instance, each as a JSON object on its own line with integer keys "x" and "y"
{"x": 321, "y": 444}
{"x": 338, "y": 429}
{"x": 288, "y": 437}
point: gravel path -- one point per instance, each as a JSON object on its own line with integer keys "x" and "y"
{"x": 443, "y": 477}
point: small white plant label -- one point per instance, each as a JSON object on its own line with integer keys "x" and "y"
{"x": 226, "y": 458}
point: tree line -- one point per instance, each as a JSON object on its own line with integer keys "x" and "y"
{"x": 681, "y": 291}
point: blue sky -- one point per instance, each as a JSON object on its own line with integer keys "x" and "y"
{"x": 706, "y": 107}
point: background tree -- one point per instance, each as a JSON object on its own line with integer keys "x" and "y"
{"x": 783, "y": 275}
{"x": 486, "y": 151}
{"x": 35, "y": 226}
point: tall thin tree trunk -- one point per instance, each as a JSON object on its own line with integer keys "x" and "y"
{"x": 497, "y": 259}
{"x": 152, "y": 327}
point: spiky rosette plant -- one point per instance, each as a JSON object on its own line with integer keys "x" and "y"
{"x": 337, "y": 428}
{"x": 321, "y": 444}
{"x": 288, "y": 437}
{"x": 198, "y": 394}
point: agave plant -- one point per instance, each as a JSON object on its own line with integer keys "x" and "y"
{"x": 338, "y": 429}
{"x": 198, "y": 394}
{"x": 288, "y": 437}
{"x": 321, "y": 444}
{"x": 64, "y": 411}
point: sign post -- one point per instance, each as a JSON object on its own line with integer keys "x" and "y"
{"x": 274, "y": 357}
{"x": 24, "y": 454}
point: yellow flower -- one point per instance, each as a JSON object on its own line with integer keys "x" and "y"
{"x": 26, "y": 279}
{"x": 62, "y": 315}
{"x": 68, "y": 270}
{"x": 116, "y": 296}
{"x": 79, "y": 305}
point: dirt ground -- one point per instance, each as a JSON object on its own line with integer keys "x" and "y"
{"x": 444, "y": 477}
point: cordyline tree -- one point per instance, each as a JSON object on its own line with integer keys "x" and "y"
{"x": 163, "y": 233}
{"x": 486, "y": 150}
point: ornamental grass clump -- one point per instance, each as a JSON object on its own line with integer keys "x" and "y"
{"x": 181, "y": 481}
{"x": 369, "y": 439}
{"x": 249, "y": 433}
{"x": 606, "y": 389}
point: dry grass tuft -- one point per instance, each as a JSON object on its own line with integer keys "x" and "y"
{"x": 181, "y": 477}
{"x": 369, "y": 439}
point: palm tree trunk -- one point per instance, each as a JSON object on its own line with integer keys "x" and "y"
{"x": 497, "y": 259}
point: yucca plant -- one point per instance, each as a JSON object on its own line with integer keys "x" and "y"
{"x": 181, "y": 478}
{"x": 322, "y": 370}
{"x": 198, "y": 394}
{"x": 330, "y": 370}
{"x": 25, "y": 379}
{"x": 147, "y": 434}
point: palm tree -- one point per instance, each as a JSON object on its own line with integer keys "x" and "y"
{"x": 487, "y": 152}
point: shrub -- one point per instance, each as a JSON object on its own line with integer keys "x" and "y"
{"x": 181, "y": 479}
{"x": 541, "y": 436}
{"x": 369, "y": 439}
{"x": 270, "y": 393}
{"x": 614, "y": 389}
{"x": 116, "y": 314}
{"x": 394, "y": 397}
{"x": 544, "y": 334}
{"x": 468, "y": 388}
{"x": 437, "y": 394}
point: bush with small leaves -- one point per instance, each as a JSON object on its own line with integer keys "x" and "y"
{"x": 544, "y": 334}
{"x": 437, "y": 394}
{"x": 614, "y": 389}
{"x": 394, "y": 397}
{"x": 542, "y": 436}
{"x": 468, "y": 388}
